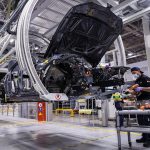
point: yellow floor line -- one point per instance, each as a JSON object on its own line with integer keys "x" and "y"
{"x": 17, "y": 123}
{"x": 94, "y": 128}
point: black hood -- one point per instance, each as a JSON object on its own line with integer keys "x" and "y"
{"x": 87, "y": 30}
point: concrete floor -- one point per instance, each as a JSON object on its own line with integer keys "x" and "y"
{"x": 26, "y": 134}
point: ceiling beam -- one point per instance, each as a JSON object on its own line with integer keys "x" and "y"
{"x": 59, "y": 13}
{"x": 130, "y": 32}
{"x": 102, "y": 3}
{"x": 133, "y": 26}
{"x": 111, "y": 2}
{"x": 47, "y": 32}
{"x": 39, "y": 25}
{"x": 134, "y": 6}
{"x": 136, "y": 56}
{"x": 67, "y": 3}
{"x": 123, "y": 5}
{"x": 134, "y": 31}
{"x": 47, "y": 19}
{"x": 41, "y": 7}
{"x": 136, "y": 15}
{"x": 111, "y": 51}
{"x": 134, "y": 46}
{"x": 77, "y": 1}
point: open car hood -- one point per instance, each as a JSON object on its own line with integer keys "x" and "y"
{"x": 87, "y": 30}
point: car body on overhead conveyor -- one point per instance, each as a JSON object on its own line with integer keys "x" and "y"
{"x": 70, "y": 62}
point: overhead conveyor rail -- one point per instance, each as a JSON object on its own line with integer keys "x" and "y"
{"x": 24, "y": 55}
{"x": 129, "y": 128}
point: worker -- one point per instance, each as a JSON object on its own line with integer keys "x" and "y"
{"x": 143, "y": 96}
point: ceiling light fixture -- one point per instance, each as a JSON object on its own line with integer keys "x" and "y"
{"x": 130, "y": 54}
{"x": 36, "y": 48}
{"x": 12, "y": 41}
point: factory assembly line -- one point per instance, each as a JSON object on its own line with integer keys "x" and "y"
{"x": 53, "y": 66}
{"x": 62, "y": 69}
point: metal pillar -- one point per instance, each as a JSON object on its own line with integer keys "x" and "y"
{"x": 49, "y": 111}
{"x": 23, "y": 110}
{"x": 105, "y": 112}
{"x": 121, "y": 51}
{"x": 103, "y": 59}
{"x": 146, "y": 31}
{"x": 14, "y": 106}
{"x": 114, "y": 58}
{"x": 20, "y": 110}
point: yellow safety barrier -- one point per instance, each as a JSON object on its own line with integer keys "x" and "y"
{"x": 65, "y": 110}
{"x": 85, "y": 111}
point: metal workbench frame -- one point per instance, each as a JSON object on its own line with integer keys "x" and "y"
{"x": 129, "y": 129}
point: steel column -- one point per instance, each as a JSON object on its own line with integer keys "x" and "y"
{"x": 121, "y": 51}
{"x": 146, "y": 31}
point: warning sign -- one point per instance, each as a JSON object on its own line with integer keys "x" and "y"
{"x": 40, "y": 104}
{"x": 41, "y": 111}
{"x": 58, "y": 97}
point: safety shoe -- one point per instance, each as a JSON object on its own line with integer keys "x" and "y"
{"x": 146, "y": 144}
{"x": 142, "y": 140}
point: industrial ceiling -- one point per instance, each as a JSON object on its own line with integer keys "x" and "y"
{"x": 48, "y": 14}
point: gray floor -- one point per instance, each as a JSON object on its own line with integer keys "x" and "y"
{"x": 23, "y": 134}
